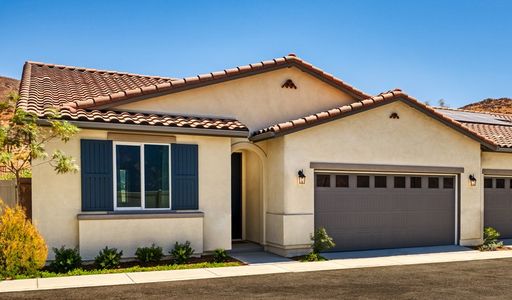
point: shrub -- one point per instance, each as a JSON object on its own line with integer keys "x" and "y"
{"x": 321, "y": 241}
{"x": 108, "y": 258}
{"x": 491, "y": 242}
{"x": 313, "y": 257}
{"x": 220, "y": 255}
{"x": 149, "y": 254}
{"x": 182, "y": 252}
{"x": 66, "y": 259}
{"x": 22, "y": 249}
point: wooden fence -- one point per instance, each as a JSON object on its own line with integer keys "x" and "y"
{"x": 8, "y": 193}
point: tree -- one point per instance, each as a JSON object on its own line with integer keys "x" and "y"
{"x": 23, "y": 140}
{"x": 442, "y": 103}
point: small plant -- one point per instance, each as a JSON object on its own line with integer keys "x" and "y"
{"x": 182, "y": 252}
{"x": 108, "y": 258}
{"x": 313, "y": 257}
{"x": 220, "y": 255}
{"x": 23, "y": 250}
{"x": 149, "y": 254}
{"x": 491, "y": 242}
{"x": 66, "y": 259}
{"x": 321, "y": 241}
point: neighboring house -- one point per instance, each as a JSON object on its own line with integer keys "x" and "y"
{"x": 216, "y": 158}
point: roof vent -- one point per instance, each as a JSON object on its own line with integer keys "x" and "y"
{"x": 292, "y": 54}
{"x": 289, "y": 84}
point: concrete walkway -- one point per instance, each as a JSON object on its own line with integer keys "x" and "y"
{"x": 345, "y": 260}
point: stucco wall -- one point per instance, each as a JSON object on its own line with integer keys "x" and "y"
{"x": 253, "y": 199}
{"x": 132, "y": 233}
{"x": 257, "y": 101}
{"x": 372, "y": 138}
{"x": 57, "y": 201}
{"x": 496, "y": 160}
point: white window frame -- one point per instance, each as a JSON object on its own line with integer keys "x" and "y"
{"x": 142, "y": 176}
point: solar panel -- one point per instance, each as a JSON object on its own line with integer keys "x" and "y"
{"x": 470, "y": 117}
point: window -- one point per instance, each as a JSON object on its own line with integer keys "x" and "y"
{"x": 142, "y": 176}
{"x": 363, "y": 181}
{"x": 399, "y": 182}
{"x": 381, "y": 182}
{"x": 500, "y": 183}
{"x": 416, "y": 182}
{"x": 342, "y": 181}
{"x": 488, "y": 183}
{"x": 323, "y": 180}
{"x": 448, "y": 182}
{"x": 433, "y": 182}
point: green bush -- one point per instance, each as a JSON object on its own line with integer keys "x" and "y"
{"x": 321, "y": 241}
{"x": 149, "y": 254}
{"x": 220, "y": 255}
{"x": 182, "y": 252}
{"x": 313, "y": 257}
{"x": 66, "y": 259}
{"x": 108, "y": 258}
{"x": 23, "y": 250}
{"x": 491, "y": 242}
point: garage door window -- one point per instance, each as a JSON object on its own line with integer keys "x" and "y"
{"x": 433, "y": 183}
{"x": 448, "y": 182}
{"x": 380, "y": 181}
{"x": 500, "y": 183}
{"x": 342, "y": 181}
{"x": 323, "y": 180}
{"x": 363, "y": 181}
{"x": 488, "y": 183}
{"x": 399, "y": 182}
{"x": 416, "y": 182}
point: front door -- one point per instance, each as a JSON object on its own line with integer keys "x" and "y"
{"x": 236, "y": 196}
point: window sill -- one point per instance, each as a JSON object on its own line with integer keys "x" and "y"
{"x": 123, "y": 215}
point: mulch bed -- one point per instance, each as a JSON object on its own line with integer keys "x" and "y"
{"x": 163, "y": 262}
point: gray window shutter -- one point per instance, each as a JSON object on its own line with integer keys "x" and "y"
{"x": 184, "y": 174}
{"x": 97, "y": 177}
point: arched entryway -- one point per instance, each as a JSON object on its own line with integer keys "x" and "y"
{"x": 248, "y": 203}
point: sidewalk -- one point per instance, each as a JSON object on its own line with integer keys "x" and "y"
{"x": 340, "y": 260}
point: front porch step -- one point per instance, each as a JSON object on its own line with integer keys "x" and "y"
{"x": 244, "y": 247}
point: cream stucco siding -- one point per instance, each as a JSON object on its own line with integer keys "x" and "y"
{"x": 370, "y": 137}
{"x": 57, "y": 201}
{"x": 132, "y": 233}
{"x": 496, "y": 160}
{"x": 257, "y": 101}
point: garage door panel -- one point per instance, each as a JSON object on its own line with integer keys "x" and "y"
{"x": 498, "y": 205}
{"x": 376, "y": 217}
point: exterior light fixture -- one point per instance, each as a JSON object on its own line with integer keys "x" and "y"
{"x": 301, "y": 177}
{"x": 472, "y": 180}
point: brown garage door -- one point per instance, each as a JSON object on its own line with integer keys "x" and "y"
{"x": 498, "y": 205}
{"x": 377, "y": 211}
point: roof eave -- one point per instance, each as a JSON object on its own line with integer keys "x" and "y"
{"x": 287, "y": 64}
{"x": 152, "y": 128}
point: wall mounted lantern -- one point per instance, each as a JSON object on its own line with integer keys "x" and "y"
{"x": 472, "y": 180}
{"x": 301, "y": 177}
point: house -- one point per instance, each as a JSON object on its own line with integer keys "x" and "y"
{"x": 264, "y": 152}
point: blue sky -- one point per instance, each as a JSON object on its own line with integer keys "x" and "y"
{"x": 456, "y": 50}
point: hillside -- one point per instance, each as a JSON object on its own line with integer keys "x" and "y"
{"x": 501, "y": 105}
{"x": 7, "y": 85}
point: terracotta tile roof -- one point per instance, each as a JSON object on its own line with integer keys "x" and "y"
{"x": 496, "y": 127}
{"x": 169, "y": 86}
{"x": 359, "y": 106}
{"x": 47, "y": 87}
{"x": 152, "y": 119}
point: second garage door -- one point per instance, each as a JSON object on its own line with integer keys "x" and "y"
{"x": 377, "y": 211}
{"x": 498, "y": 205}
